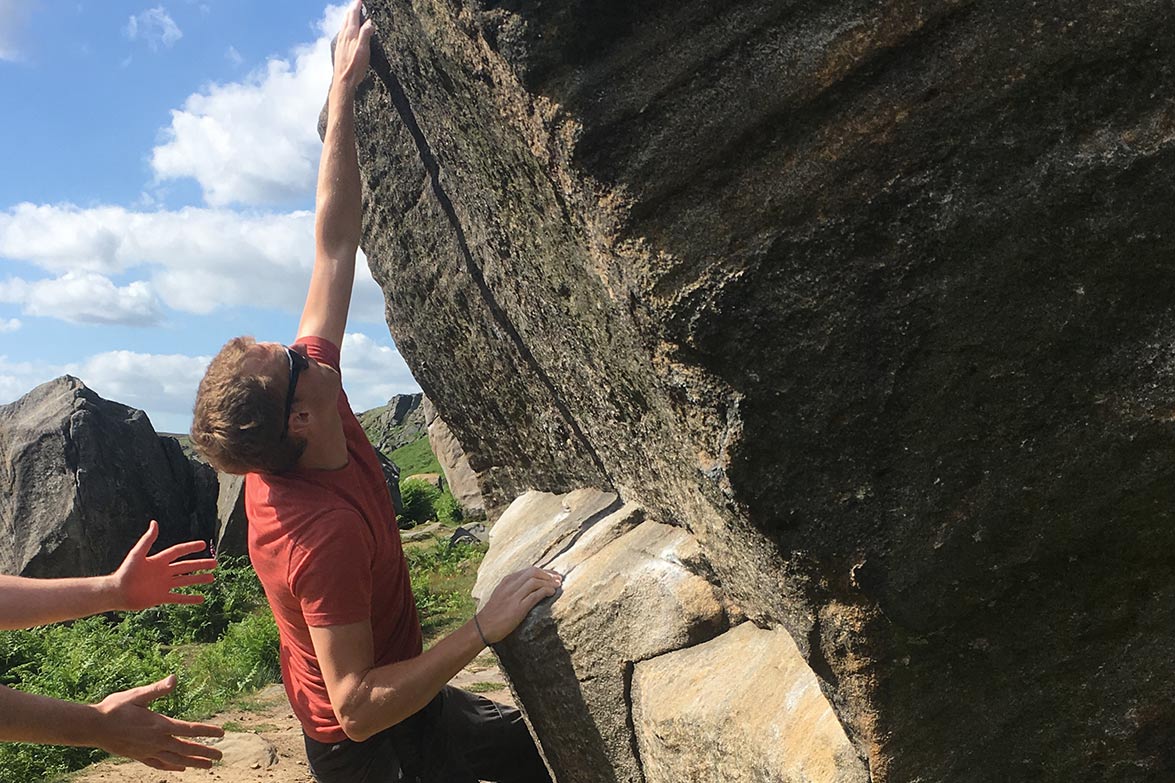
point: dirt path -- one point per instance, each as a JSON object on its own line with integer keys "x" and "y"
{"x": 263, "y": 741}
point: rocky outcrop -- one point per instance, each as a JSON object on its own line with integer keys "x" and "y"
{"x": 459, "y": 474}
{"x": 872, "y": 298}
{"x": 434, "y": 480}
{"x": 400, "y": 422}
{"x": 614, "y": 687}
{"x": 743, "y": 706}
{"x": 83, "y": 476}
{"x": 232, "y": 536}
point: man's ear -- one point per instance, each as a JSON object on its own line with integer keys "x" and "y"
{"x": 300, "y": 421}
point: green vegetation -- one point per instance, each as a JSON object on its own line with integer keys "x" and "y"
{"x": 483, "y": 687}
{"x": 442, "y": 580}
{"x": 423, "y": 502}
{"x": 221, "y": 650}
{"x": 446, "y": 509}
{"x": 416, "y": 457}
{"x": 86, "y": 660}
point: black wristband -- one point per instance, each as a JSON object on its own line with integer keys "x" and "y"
{"x": 480, "y": 633}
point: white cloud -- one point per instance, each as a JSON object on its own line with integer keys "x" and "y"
{"x": 233, "y": 56}
{"x": 18, "y": 378}
{"x": 10, "y": 325}
{"x": 14, "y": 15}
{"x": 373, "y": 373}
{"x": 164, "y": 385}
{"x": 155, "y": 27}
{"x": 195, "y": 260}
{"x": 256, "y": 141}
{"x": 84, "y": 297}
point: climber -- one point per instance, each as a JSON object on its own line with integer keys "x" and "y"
{"x": 374, "y": 706}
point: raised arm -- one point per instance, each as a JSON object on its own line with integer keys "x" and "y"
{"x": 141, "y": 581}
{"x": 338, "y": 201}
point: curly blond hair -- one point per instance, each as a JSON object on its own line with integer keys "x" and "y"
{"x": 237, "y": 421}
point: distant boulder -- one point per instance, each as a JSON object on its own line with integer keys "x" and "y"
{"x": 392, "y": 478}
{"x": 232, "y": 526}
{"x": 459, "y": 474}
{"x": 435, "y": 480}
{"x": 396, "y": 424}
{"x": 83, "y": 476}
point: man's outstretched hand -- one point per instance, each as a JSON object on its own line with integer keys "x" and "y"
{"x": 513, "y": 599}
{"x": 352, "y": 49}
{"x": 126, "y": 727}
{"x": 143, "y": 581}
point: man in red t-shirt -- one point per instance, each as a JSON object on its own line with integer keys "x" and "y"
{"x": 322, "y": 533}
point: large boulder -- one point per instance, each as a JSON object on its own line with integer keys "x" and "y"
{"x": 743, "y": 706}
{"x": 872, "y": 298}
{"x": 459, "y": 474}
{"x": 83, "y": 476}
{"x": 627, "y": 675}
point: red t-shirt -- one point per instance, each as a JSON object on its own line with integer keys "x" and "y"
{"x": 327, "y": 550}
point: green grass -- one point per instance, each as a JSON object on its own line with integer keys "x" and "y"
{"x": 442, "y": 579}
{"x": 416, "y": 457}
{"x": 484, "y": 687}
{"x": 218, "y": 649}
{"x": 221, "y": 650}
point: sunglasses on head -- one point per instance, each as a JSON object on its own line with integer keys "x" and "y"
{"x": 298, "y": 363}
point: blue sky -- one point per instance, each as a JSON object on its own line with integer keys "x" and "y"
{"x": 156, "y": 195}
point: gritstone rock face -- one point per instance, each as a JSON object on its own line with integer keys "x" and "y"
{"x": 872, "y": 298}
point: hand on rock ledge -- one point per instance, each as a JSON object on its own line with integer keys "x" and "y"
{"x": 513, "y": 599}
{"x": 352, "y": 49}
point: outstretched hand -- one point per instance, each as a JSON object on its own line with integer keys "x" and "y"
{"x": 128, "y": 728}
{"x": 513, "y": 599}
{"x": 353, "y": 48}
{"x": 143, "y": 581}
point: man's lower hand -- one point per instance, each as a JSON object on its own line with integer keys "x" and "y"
{"x": 513, "y": 599}
{"x": 126, "y": 727}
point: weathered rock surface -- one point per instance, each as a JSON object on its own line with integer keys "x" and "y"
{"x": 459, "y": 473}
{"x": 633, "y": 590}
{"x": 244, "y": 750}
{"x": 232, "y": 536}
{"x": 83, "y": 476}
{"x": 873, "y": 298}
{"x": 741, "y": 707}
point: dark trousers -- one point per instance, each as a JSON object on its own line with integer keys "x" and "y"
{"x": 458, "y": 738}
